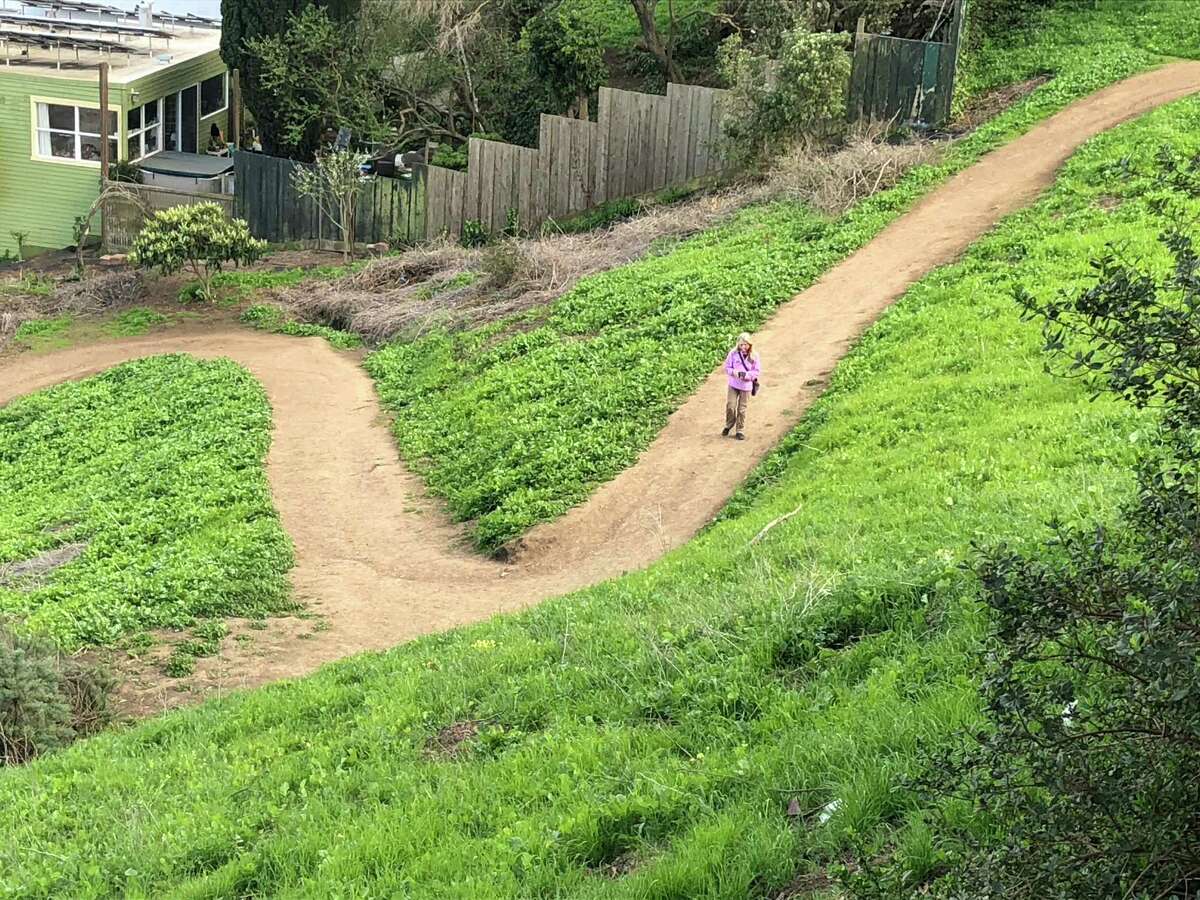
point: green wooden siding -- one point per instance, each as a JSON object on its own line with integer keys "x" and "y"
{"x": 44, "y": 198}
{"x": 37, "y": 197}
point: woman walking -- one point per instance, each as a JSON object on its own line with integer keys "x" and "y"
{"x": 742, "y": 367}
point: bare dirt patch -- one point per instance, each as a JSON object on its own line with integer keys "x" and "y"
{"x": 619, "y": 867}
{"x": 450, "y": 741}
{"x": 989, "y": 105}
{"x": 32, "y": 572}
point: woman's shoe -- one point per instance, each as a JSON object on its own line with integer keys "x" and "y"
{"x": 725, "y": 431}
{"x": 740, "y": 436}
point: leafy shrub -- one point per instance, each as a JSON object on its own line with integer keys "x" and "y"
{"x": 449, "y": 156}
{"x": 564, "y": 52}
{"x": 125, "y": 172}
{"x": 474, "y": 234}
{"x": 773, "y": 102}
{"x": 47, "y": 700}
{"x": 1094, "y": 692}
{"x": 196, "y": 237}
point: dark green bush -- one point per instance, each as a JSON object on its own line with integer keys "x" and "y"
{"x": 47, "y": 700}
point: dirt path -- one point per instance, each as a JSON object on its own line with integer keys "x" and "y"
{"x": 381, "y": 563}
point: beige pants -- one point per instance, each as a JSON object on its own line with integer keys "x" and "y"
{"x": 735, "y": 409}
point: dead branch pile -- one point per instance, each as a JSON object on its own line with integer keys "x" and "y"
{"x": 444, "y": 285}
{"x": 865, "y": 164}
{"x": 109, "y": 290}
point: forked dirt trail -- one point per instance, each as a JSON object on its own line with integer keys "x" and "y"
{"x": 382, "y": 565}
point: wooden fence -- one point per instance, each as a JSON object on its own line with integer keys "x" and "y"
{"x": 122, "y": 216}
{"x": 389, "y": 209}
{"x": 639, "y": 143}
{"x": 906, "y": 80}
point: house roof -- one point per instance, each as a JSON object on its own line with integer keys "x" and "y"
{"x": 70, "y": 38}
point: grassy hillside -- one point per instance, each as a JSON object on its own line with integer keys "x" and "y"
{"x": 515, "y": 427}
{"x": 152, "y": 473}
{"x": 644, "y": 738}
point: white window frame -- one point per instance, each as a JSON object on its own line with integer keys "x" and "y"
{"x": 202, "y": 115}
{"x": 140, "y": 133}
{"x": 36, "y": 131}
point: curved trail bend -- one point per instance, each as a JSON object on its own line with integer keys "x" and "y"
{"x": 383, "y": 572}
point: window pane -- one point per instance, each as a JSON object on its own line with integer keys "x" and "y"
{"x": 212, "y": 95}
{"x": 150, "y": 115}
{"x": 135, "y": 147}
{"x": 61, "y": 117}
{"x": 89, "y": 120}
{"x": 151, "y": 137}
{"x": 133, "y": 119}
{"x": 171, "y": 115}
{"x": 89, "y": 148}
{"x": 112, "y": 150}
{"x": 62, "y": 145}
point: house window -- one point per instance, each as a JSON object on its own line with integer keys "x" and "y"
{"x": 143, "y": 129}
{"x": 212, "y": 95}
{"x": 72, "y": 132}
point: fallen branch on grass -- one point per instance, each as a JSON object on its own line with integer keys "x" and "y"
{"x": 776, "y": 521}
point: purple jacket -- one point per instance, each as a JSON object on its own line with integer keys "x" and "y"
{"x": 735, "y": 363}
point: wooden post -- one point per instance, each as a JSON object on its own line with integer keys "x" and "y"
{"x": 956, "y": 28}
{"x": 235, "y": 108}
{"x": 104, "y": 160}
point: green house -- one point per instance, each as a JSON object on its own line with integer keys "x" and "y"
{"x": 167, "y": 88}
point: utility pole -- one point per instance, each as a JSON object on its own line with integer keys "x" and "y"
{"x": 104, "y": 160}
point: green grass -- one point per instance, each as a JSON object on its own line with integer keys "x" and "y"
{"x": 136, "y": 321}
{"x": 28, "y": 283}
{"x": 667, "y": 717}
{"x": 615, "y": 23}
{"x": 156, "y": 466}
{"x": 514, "y": 430}
{"x": 1109, "y": 29}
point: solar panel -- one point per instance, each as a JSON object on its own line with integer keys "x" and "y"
{"x": 56, "y": 25}
{"x": 82, "y": 6}
{"x": 45, "y": 41}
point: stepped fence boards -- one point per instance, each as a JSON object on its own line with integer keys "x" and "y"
{"x": 909, "y": 81}
{"x": 389, "y": 209}
{"x": 639, "y": 143}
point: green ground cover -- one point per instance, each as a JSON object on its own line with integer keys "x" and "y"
{"x": 515, "y": 428}
{"x": 275, "y": 320}
{"x": 645, "y": 737}
{"x": 156, "y": 468}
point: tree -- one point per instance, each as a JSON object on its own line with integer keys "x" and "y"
{"x": 565, "y": 52}
{"x": 772, "y": 102}
{"x": 652, "y": 42}
{"x": 245, "y": 20}
{"x": 334, "y": 184}
{"x": 197, "y": 237}
{"x": 321, "y": 74}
